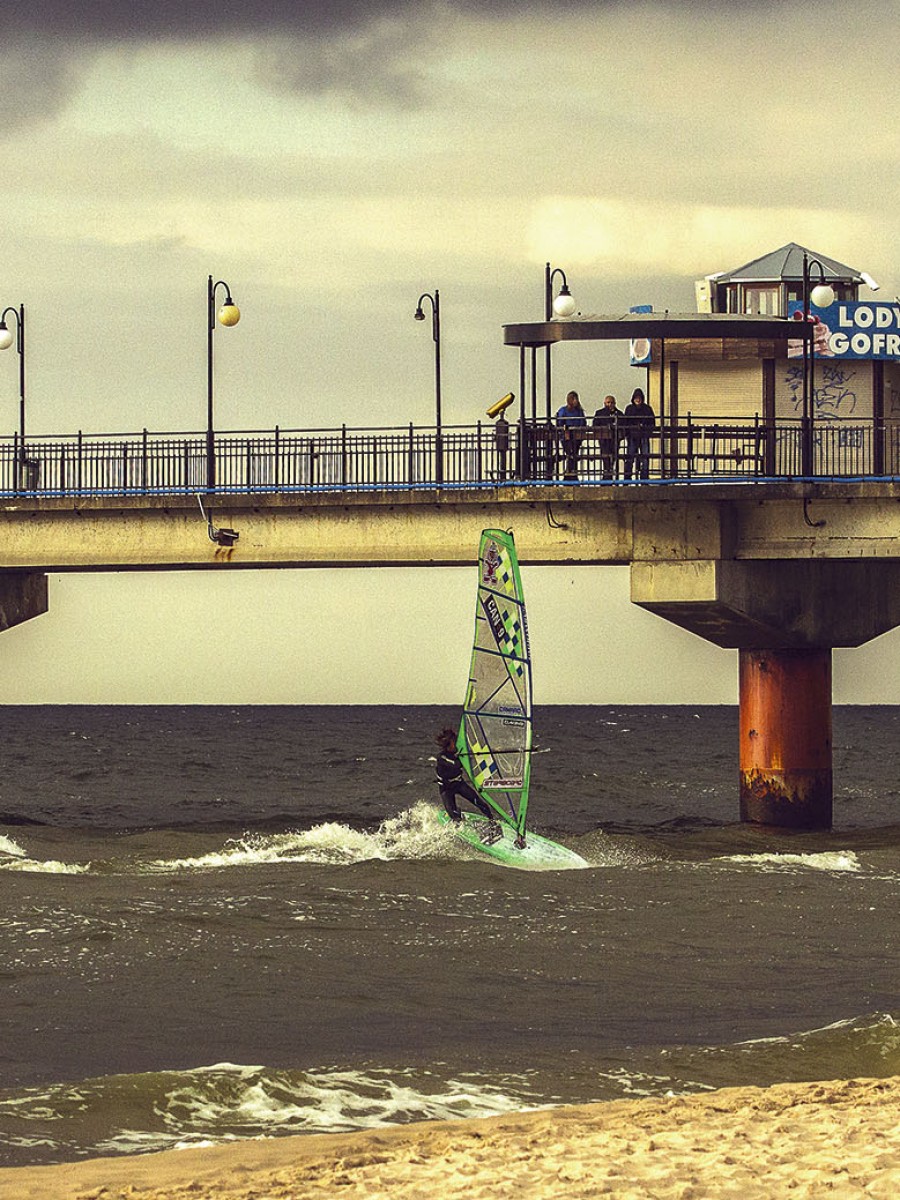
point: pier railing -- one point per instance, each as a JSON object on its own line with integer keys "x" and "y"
{"x": 480, "y": 456}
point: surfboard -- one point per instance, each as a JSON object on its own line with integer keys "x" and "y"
{"x": 538, "y": 854}
{"x": 495, "y": 733}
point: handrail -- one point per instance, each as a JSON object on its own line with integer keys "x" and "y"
{"x": 687, "y": 449}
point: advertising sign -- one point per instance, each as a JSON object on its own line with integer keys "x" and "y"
{"x": 850, "y": 329}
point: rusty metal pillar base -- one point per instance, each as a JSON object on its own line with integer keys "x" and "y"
{"x": 785, "y": 730}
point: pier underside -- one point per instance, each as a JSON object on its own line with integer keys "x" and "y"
{"x": 784, "y": 618}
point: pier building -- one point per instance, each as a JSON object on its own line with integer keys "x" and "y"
{"x": 768, "y": 346}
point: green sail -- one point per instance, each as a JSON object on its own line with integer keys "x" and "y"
{"x": 495, "y": 732}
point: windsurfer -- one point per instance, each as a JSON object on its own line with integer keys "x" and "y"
{"x": 452, "y": 784}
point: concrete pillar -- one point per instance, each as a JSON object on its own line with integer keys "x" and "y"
{"x": 23, "y": 595}
{"x": 785, "y": 738}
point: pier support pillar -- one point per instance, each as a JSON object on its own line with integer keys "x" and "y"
{"x": 785, "y": 738}
{"x": 784, "y": 618}
{"x": 23, "y": 595}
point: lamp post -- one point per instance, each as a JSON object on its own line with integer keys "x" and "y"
{"x": 561, "y": 306}
{"x": 419, "y": 315}
{"x": 229, "y": 314}
{"x": 821, "y": 296}
{"x": 6, "y": 340}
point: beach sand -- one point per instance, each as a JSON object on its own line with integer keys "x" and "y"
{"x": 837, "y": 1139}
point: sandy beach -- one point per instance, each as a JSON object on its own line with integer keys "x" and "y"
{"x": 836, "y": 1139}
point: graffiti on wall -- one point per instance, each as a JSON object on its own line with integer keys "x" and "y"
{"x": 833, "y": 398}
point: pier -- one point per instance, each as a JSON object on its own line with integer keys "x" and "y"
{"x": 772, "y": 534}
{"x": 782, "y": 569}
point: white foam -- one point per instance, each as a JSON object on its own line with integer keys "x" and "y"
{"x": 19, "y": 861}
{"x": 253, "y": 1099}
{"x": 833, "y": 860}
{"x": 413, "y": 834}
{"x": 8, "y": 846}
{"x": 45, "y": 866}
{"x": 227, "y": 1102}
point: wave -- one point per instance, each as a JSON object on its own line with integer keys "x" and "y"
{"x": 17, "y": 859}
{"x": 132, "y": 1114}
{"x": 861, "y": 1046}
{"x": 46, "y": 866}
{"x": 833, "y": 860}
{"x": 415, "y": 834}
{"x": 8, "y": 846}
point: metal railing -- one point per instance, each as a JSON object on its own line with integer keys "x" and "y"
{"x": 480, "y": 456}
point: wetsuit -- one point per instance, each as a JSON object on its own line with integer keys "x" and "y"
{"x": 451, "y": 783}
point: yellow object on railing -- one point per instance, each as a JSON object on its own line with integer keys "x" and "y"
{"x": 501, "y": 405}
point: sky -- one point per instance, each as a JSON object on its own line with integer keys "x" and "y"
{"x": 330, "y": 162}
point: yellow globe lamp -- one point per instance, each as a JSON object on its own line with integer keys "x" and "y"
{"x": 229, "y": 313}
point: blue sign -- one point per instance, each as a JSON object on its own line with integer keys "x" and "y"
{"x": 850, "y": 329}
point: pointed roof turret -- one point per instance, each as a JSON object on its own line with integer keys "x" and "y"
{"x": 786, "y": 264}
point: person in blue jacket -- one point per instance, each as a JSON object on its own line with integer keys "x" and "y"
{"x": 572, "y": 423}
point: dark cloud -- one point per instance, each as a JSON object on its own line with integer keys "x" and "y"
{"x": 365, "y": 52}
{"x": 92, "y": 21}
{"x": 38, "y": 82}
{"x": 104, "y": 21}
{"x": 382, "y": 64}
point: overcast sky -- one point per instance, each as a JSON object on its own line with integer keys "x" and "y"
{"x": 332, "y": 161}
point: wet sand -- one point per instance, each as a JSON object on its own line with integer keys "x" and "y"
{"x": 838, "y": 1139}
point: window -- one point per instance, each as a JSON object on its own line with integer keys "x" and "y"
{"x": 763, "y": 299}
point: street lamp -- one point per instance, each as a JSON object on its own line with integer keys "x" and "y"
{"x": 6, "y": 340}
{"x": 419, "y": 315}
{"x": 821, "y": 296}
{"x": 561, "y": 306}
{"x": 229, "y": 314}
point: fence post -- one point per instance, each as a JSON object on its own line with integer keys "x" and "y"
{"x": 343, "y": 456}
{"x": 276, "y": 473}
{"x": 756, "y": 444}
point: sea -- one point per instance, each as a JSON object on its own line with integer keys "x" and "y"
{"x": 222, "y": 923}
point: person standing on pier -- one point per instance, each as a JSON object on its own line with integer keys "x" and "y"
{"x": 639, "y": 421}
{"x": 501, "y": 444}
{"x": 571, "y": 422}
{"x": 607, "y": 433}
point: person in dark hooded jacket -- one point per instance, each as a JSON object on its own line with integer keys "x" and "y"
{"x": 638, "y": 422}
{"x": 452, "y": 783}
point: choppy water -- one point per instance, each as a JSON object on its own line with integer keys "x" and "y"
{"x": 224, "y": 923}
